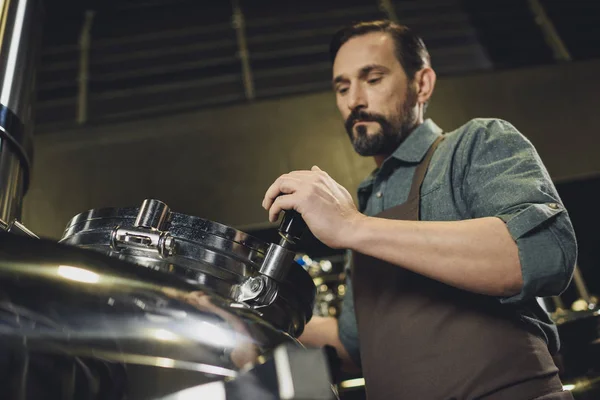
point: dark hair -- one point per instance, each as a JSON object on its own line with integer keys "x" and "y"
{"x": 410, "y": 49}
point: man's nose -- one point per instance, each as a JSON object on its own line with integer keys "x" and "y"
{"x": 357, "y": 98}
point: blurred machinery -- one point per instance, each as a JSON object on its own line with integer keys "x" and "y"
{"x": 579, "y": 329}
{"x": 329, "y": 277}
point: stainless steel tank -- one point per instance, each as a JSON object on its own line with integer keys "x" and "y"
{"x": 20, "y": 36}
{"x": 175, "y": 303}
{"x": 108, "y": 326}
{"x": 152, "y": 303}
{"x": 261, "y": 276}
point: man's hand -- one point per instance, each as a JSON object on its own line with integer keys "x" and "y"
{"x": 324, "y": 331}
{"x": 326, "y": 206}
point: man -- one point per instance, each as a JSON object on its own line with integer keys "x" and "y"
{"x": 455, "y": 236}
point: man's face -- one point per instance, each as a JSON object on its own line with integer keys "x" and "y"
{"x": 373, "y": 94}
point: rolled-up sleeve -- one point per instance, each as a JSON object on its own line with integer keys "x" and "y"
{"x": 505, "y": 178}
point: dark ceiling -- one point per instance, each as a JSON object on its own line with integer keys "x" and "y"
{"x": 154, "y": 57}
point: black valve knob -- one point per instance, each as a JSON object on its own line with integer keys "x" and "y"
{"x": 280, "y": 257}
{"x": 291, "y": 228}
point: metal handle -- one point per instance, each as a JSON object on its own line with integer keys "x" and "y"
{"x": 153, "y": 214}
{"x": 291, "y": 229}
{"x": 280, "y": 257}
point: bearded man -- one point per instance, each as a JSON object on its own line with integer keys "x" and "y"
{"x": 455, "y": 236}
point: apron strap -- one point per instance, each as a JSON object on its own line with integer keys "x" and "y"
{"x": 421, "y": 170}
{"x": 413, "y": 200}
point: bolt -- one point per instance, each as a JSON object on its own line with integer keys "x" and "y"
{"x": 166, "y": 245}
{"x": 256, "y": 285}
{"x": 170, "y": 245}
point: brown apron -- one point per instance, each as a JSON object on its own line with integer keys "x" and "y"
{"x": 421, "y": 339}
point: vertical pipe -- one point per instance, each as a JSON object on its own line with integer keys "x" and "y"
{"x": 580, "y": 285}
{"x": 84, "y": 67}
{"x": 20, "y": 35}
{"x": 389, "y": 9}
{"x": 239, "y": 25}
{"x": 553, "y": 39}
{"x": 558, "y": 303}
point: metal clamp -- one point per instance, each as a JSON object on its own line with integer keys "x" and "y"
{"x": 257, "y": 291}
{"x": 250, "y": 289}
{"x": 141, "y": 238}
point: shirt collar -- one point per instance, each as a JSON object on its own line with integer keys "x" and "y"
{"x": 415, "y": 146}
{"x": 413, "y": 149}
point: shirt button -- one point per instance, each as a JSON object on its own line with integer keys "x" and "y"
{"x": 553, "y": 206}
{"x": 379, "y": 194}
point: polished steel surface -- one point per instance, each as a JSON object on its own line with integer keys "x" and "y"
{"x": 200, "y": 244}
{"x": 20, "y": 35}
{"x": 18, "y": 228}
{"x": 277, "y": 262}
{"x": 231, "y": 263}
{"x": 11, "y": 184}
{"x": 180, "y": 223}
{"x": 153, "y": 214}
{"x": 20, "y": 30}
{"x": 78, "y": 304}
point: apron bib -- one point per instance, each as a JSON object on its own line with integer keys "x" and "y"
{"x": 421, "y": 339}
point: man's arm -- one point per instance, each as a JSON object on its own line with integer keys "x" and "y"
{"x": 516, "y": 240}
{"x": 324, "y": 331}
{"x": 477, "y": 255}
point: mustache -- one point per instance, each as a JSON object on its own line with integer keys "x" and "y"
{"x": 361, "y": 115}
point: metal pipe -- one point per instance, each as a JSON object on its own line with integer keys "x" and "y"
{"x": 20, "y": 35}
{"x": 558, "y": 303}
{"x": 239, "y": 24}
{"x": 553, "y": 39}
{"x": 85, "y": 39}
{"x": 388, "y": 7}
{"x": 12, "y": 178}
{"x": 580, "y": 285}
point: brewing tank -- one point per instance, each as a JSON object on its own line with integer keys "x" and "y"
{"x": 20, "y": 36}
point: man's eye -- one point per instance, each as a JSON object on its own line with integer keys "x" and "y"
{"x": 372, "y": 81}
{"x": 342, "y": 90}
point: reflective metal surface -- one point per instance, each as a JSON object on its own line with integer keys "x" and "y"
{"x": 21, "y": 27}
{"x": 104, "y": 218}
{"x": 154, "y": 332}
{"x": 229, "y": 262}
{"x": 20, "y": 34}
{"x": 11, "y": 185}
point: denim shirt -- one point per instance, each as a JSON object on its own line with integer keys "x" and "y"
{"x": 486, "y": 168}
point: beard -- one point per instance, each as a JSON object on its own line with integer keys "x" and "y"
{"x": 393, "y": 131}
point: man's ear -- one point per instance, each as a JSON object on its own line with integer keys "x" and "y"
{"x": 425, "y": 82}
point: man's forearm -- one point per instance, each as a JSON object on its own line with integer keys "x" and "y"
{"x": 477, "y": 255}
{"x": 323, "y": 331}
